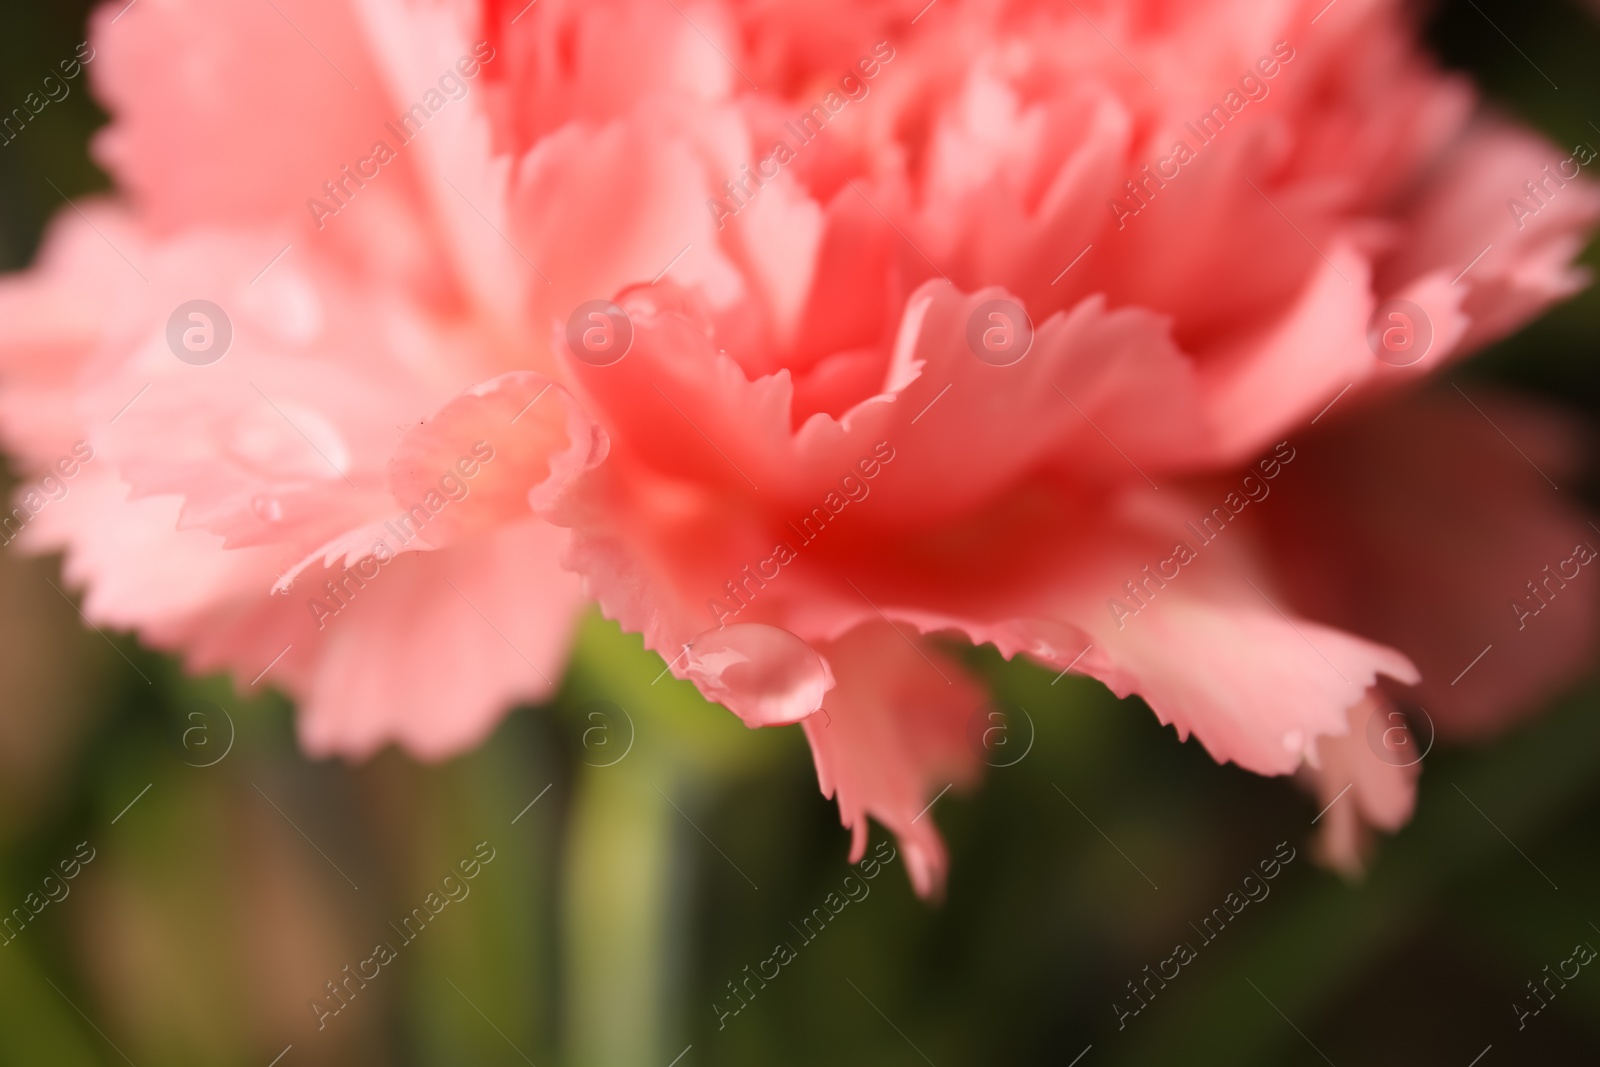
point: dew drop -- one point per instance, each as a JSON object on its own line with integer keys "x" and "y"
{"x": 268, "y": 508}
{"x": 1051, "y": 641}
{"x": 765, "y": 675}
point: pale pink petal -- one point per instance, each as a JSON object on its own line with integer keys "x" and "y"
{"x": 228, "y": 113}
{"x": 891, "y": 738}
{"x": 1256, "y": 687}
{"x": 1462, "y": 224}
{"x": 53, "y": 328}
{"x": 510, "y": 446}
{"x": 1363, "y": 781}
{"x": 456, "y": 657}
{"x": 464, "y": 633}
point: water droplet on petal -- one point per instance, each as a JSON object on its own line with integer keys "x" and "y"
{"x": 1049, "y": 640}
{"x": 268, "y": 508}
{"x": 765, "y": 675}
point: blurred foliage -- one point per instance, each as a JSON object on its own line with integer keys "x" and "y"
{"x": 622, "y": 902}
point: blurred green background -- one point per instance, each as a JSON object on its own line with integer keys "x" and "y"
{"x": 620, "y": 905}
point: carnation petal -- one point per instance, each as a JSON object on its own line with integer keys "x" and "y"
{"x": 892, "y": 737}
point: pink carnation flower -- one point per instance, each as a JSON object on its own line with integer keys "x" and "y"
{"x": 802, "y": 339}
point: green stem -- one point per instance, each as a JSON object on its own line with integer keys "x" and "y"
{"x": 617, "y": 904}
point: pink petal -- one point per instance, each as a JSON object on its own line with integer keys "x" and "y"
{"x": 893, "y": 736}
{"x": 224, "y": 112}
{"x": 1255, "y": 686}
{"x": 524, "y": 438}
{"x": 1358, "y": 790}
{"x": 464, "y": 633}
{"x": 1421, "y": 526}
{"x": 1460, "y": 225}
{"x": 1282, "y": 373}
